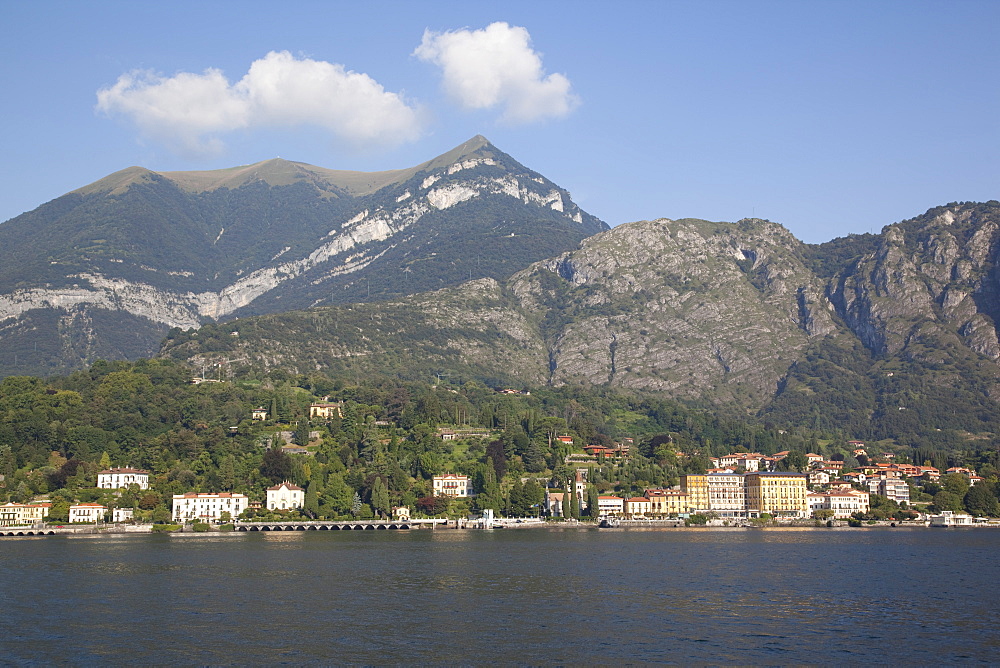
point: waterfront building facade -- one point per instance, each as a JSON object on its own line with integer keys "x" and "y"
{"x": 195, "y": 506}
{"x": 285, "y": 496}
{"x": 638, "y": 506}
{"x": 23, "y": 514}
{"x": 610, "y": 505}
{"x": 696, "y": 487}
{"x": 87, "y": 512}
{"x": 122, "y": 515}
{"x": 777, "y": 494}
{"x": 727, "y": 494}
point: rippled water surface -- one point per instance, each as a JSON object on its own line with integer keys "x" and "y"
{"x": 514, "y": 596}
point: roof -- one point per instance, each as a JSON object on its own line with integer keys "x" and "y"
{"x": 286, "y": 485}
{"x": 208, "y": 495}
{"x": 125, "y": 470}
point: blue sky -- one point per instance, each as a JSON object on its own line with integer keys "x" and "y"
{"x": 826, "y": 117}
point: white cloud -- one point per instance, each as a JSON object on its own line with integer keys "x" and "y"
{"x": 497, "y": 66}
{"x": 189, "y": 111}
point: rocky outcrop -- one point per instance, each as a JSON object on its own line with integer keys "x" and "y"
{"x": 689, "y": 308}
{"x": 940, "y": 268}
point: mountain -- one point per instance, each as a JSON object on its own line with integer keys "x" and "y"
{"x": 888, "y": 335}
{"x": 106, "y": 270}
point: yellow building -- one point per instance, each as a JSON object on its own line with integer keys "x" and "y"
{"x": 638, "y": 506}
{"x": 695, "y": 485}
{"x": 21, "y": 514}
{"x": 325, "y": 410}
{"x": 667, "y": 502}
{"x": 778, "y": 494}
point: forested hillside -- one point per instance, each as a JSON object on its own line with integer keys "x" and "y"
{"x": 57, "y": 434}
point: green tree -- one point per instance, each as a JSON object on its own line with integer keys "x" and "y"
{"x": 227, "y": 473}
{"x": 518, "y": 501}
{"x": 567, "y": 506}
{"x": 311, "y": 504}
{"x": 276, "y": 466}
{"x": 981, "y": 500}
{"x": 945, "y": 500}
{"x": 59, "y": 511}
{"x": 794, "y": 461}
{"x": 356, "y": 504}
{"x": 593, "y": 507}
{"x": 380, "y": 497}
{"x": 8, "y": 464}
{"x": 534, "y": 496}
{"x": 105, "y": 461}
{"x": 956, "y": 483}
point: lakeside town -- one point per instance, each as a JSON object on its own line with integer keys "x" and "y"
{"x": 738, "y": 489}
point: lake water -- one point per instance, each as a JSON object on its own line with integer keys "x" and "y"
{"x": 530, "y": 596}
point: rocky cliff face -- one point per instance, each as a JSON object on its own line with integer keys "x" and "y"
{"x": 727, "y": 314}
{"x": 182, "y": 248}
{"x": 937, "y": 271}
{"x": 689, "y": 308}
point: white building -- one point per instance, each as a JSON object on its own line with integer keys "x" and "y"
{"x": 122, "y": 515}
{"x": 610, "y": 505}
{"x": 452, "y": 485}
{"x": 285, "y": 496}
{"x": 122, "y": 478}
{"x": 819, "y": 477}
{"x": 87, "y": 512}
{"x": 208, "y": 507}
{"x": 727, "y": 494}
{"x": 843, "y": 501}
{"x": 949, "y": 518}
{"x": 894, "y": 489}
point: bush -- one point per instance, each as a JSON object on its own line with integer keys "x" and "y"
{"x": 201, "y": 527}
{"x": 226, "y": 527}
{"x": 165, "y": 528}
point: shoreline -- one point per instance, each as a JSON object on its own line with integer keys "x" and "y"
{"x": 452, "y": 525}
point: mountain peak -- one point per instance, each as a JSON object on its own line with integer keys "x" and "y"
{"x": 280, "y": 172}
{"x": 118, "y": 182}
